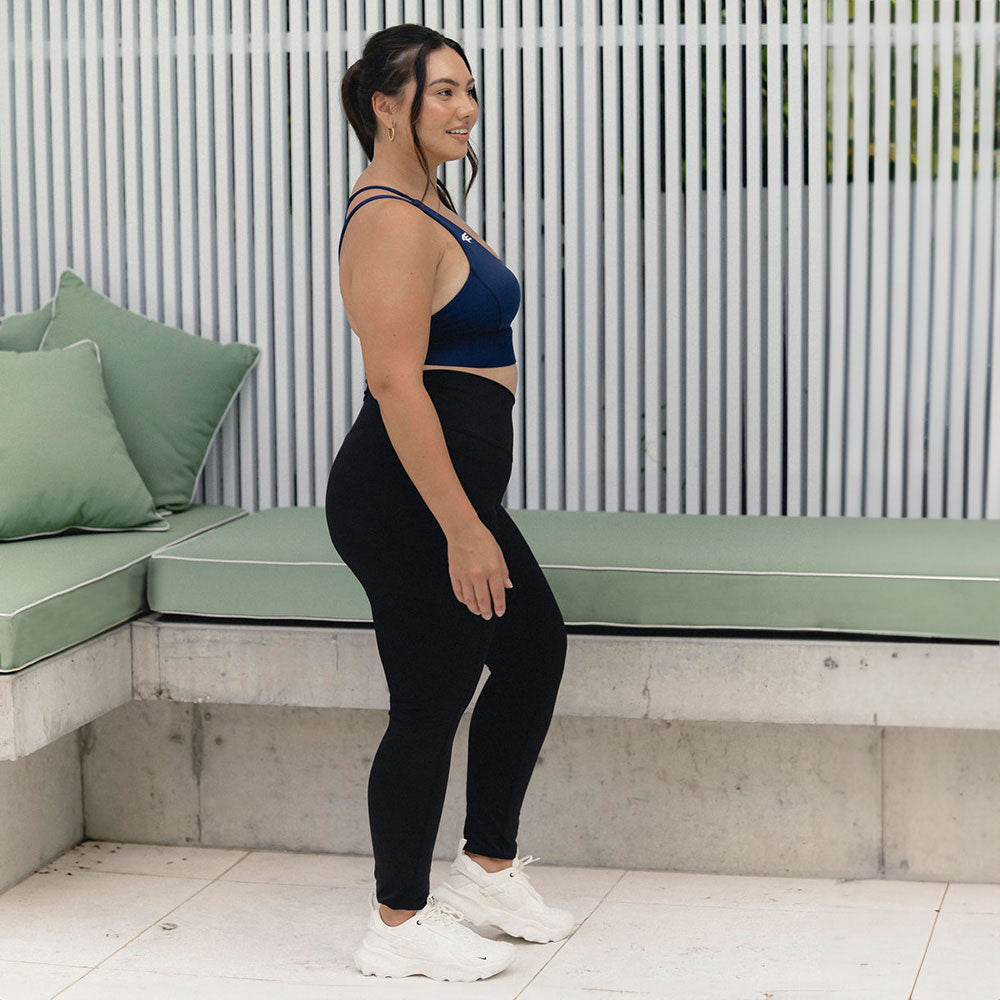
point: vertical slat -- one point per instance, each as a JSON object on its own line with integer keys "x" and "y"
{"x": 833, "y": 498}
{"x": 633, "y": 330}
{"x": 134, "y": 277}
{"x": 28, "y": 293}
{"x": 993, "y": 439}
{"x": 920, "y": 277}
{"x": 854, "y": 471}
{"x": 492, "y": 170}
{"x": 577, "y": 129}
{"x": 591, "y": 329}
{"x": 150, "y": 302}
{"x": 877, "y": 375}
{"x": 773, "y": 361}
{"x": 93, "y": 125}
{"x": 818, "y": 196}
{"x": 529, "y": 326}
{"x": 452, "y": 171}
{"x": 551, "y": 277}
{"x": 508, "y": 192}
{"x": 282, "y": 330}
{"x": 961, "y": 376}
{"x": 37, "y": 134}
{"x": 229, "y": 68}
{"x": 346, "y": 368}
{"x": 300, "y": 331}
{"x": 170, "y": 286}
{"x": 755, "y": 329}
{"x": 607, "y": 336}
{"x": 471, "y": 41}
{"x": 654, "y": 264}
{"x": 941, "y": 331}
{"x": 347, "y": 345}
{"x": 323, "y": 109}
{"x": 9, "y": 256}
{"x": 114, "y": 234}
{"x": 693, "y": 430}
{"x": 982, "y": 400}
{"x": 732, "y": 501}
{"x": 195, "y": 24}
{"x": 673, "y": 495}
{"x": 189, "y": 213}
{"x": 262, "y": 280}
{"x": 797, "y": 252}
{"x": 900, "y": 379}
{"x": 244, "y": 258}
{"x": 715, "y": 452}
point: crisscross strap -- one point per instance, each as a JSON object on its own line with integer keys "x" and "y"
{"x": 399, "y": 196}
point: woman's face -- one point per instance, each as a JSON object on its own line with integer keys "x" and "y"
{"x": 448, "y": 103}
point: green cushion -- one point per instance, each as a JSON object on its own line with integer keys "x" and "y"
{"x": 65, "y": 465}
{"x": 168, "y": 390}
{"x": 24, "y": 331}
{"x": 898, "y": 576}
{"x": 57, "y": 592}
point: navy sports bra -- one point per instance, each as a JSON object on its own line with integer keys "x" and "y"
{"x": 473, "y": 329}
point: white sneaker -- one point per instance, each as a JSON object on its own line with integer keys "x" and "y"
{"x": 431, "y": 943}
{"x": 504, "y": 899}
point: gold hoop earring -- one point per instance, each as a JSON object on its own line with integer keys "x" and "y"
{"x": 392, "y": 133}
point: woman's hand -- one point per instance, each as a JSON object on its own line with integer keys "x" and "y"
{"x": 477, "y": 569}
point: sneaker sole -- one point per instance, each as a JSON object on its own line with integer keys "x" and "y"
{"x": 376, "y": 962}
{"x": 481, "y": 916}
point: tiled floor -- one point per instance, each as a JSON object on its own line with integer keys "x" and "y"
{"x": 111, "y": 921}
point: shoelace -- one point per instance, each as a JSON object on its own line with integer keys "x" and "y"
{"x": 440, "y": 912}
{"x": 516, "y": 871}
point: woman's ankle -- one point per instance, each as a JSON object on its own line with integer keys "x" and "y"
{"x": 394, "y": 917}
{"x": 490, "y": 864}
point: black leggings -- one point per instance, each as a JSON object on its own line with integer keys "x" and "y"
{"x": 433, "y": 648}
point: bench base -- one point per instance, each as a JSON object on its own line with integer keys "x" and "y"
{"x": 712, "y": 797}
{"x": 848, "y": 759}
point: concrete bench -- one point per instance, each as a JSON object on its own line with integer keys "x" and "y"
{"x": 783, "y": 682}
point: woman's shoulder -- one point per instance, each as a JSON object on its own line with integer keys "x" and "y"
{"x": 366, "y": 231}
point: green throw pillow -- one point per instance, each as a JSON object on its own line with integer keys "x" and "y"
{"x": 24, "y": 331}
{"x": 65, "y": 466}
{"x": 168, "y": 390}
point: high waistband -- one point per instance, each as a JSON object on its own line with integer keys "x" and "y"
{"x": 465, "y": 402}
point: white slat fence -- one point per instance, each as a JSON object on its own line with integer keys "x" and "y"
{"x": 726, "y": 309}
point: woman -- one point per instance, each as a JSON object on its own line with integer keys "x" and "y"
{"x": 413, "y": 506}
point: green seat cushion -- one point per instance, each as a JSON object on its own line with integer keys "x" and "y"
{"x": 282, "y": 565}
{"x": 907, "y": 577}
{"x": 24, "y": 331}
{"x": 169, "y": 390}
{"x": 63, "y": 463}
{"x": 57, "y": 592}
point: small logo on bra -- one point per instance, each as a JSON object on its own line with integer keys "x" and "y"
{"x": 466, "y": 237}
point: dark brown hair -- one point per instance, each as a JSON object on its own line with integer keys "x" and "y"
{"x": 390, "y": 59}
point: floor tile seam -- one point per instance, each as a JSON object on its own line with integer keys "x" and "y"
{"x": 930, "y": 938}
{"x": 109, "y": 871}
{"x": 756, "y": 908}
{"x": 150, "y": 925}
{"x": 570, "y": 937}
{"x": 198, "y": 975}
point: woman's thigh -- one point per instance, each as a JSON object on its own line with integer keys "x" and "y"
{"x": 530, "y": 637}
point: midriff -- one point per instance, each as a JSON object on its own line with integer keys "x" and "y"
{"x": 506, "y": 375}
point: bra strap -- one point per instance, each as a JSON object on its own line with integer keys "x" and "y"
{"x": 357, "y": 208}
{"x": 383, "y": 186}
